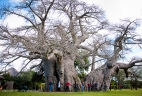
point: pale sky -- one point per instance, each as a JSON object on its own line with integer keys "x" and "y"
{"x": 119, "y": 9}
{"x": 114, "y": 9}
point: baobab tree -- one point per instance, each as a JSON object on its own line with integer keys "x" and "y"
{"x": 54, "y": 32}
{"x": 125, "y": 35}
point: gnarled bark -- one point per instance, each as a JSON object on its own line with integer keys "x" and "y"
{"x": 101, "y": 75}
{"x": 58, "y": 68}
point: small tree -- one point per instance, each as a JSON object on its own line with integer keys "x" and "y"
{"x": 121, "y": 77}
{"x": 80, "y": 68}
{"x": 135, "y": 75}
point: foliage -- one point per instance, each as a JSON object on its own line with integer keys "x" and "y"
{"x": 8, "y": 77}
{"x": 130, "y": 82}
{"x": 81, "y": 69}
{"x": 37, "y": 78}
{"x": 27, "y": 75}
{"x": 27, "y": 78}
{"x": 81, "y": 76}
{"x": 135, "y": 76}
{"x": 77, "y": 62}
{"x": 120, "y": 77}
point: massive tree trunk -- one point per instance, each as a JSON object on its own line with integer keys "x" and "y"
{"x": 58, "y": 68}
{"x": 70, "y": 73}
{"x": 101, "y": 75}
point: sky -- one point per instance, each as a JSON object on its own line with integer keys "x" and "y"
{"x": 119, "y": 9}
{"x": 115, "y": 11}
{"x": 3, "y": 1}
{"x": 7, "y": 1}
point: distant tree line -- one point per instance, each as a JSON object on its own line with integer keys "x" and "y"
{"x": 31, "y": 79}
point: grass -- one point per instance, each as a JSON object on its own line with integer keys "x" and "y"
{"x": 124, "y": 92}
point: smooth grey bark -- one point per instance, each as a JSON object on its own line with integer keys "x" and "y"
{"x": 58, "y": 68}
{"x": 101, "y": 75}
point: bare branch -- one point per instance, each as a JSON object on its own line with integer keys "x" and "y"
{"x": 10, "y": 62}
{"x": 23, "y": 67}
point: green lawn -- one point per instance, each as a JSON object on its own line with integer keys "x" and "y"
{"x": 109, "y": 93}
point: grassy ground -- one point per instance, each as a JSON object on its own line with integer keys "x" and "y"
{"x": 109, "y": 93}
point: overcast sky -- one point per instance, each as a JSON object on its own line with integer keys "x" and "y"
{"x": 114, "y": 9}
{"x": 119, "y": 9}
